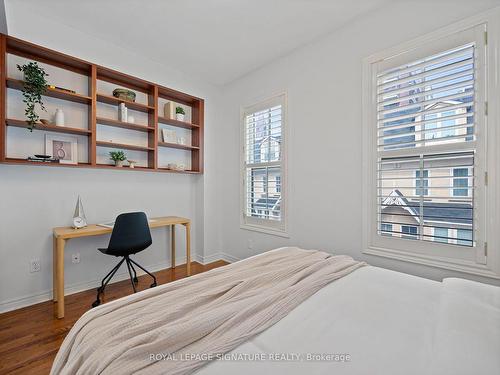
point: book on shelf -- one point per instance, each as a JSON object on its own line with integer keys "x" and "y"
{"x": 42, "y": 160}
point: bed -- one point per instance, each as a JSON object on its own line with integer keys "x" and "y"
{"x": 368, "y": 321}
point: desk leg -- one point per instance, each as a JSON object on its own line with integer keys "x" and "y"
{"x": 54, "y": 269}
{"x": 60, "y": 243}
{"x": 188, "y": 249}
{"x": 172, "y": 244}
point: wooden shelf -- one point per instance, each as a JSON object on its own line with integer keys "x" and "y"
{"x": 167, "y": 170}
{"x": 176, "y": 123}
{"x": 176, "y": 145}
{"x": 93, "y": 73}
{"x": 50, "y": 128}
{"x": 110, "y": 166}
{"x": 108, "y": 99}
{"x": 124, "y": 146}
{"x": 27, "y": 162}
{"x": 17, "y": 84}
{"x": 124, "y": 125}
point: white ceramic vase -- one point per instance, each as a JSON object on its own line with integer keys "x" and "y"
{"x": 59, "y": 117}
{"x": 179, "y": 117}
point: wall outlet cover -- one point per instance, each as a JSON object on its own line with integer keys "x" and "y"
{"x": 35, "y": 265}
{"x": 75, "y": 258}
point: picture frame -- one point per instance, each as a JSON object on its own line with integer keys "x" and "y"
{"x": 62, "y": 147}
{"x": 169, "y": 136}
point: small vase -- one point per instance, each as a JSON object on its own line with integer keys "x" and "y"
{"x": 179, "y": 117}
{"x": 119, "y": 163}
{"x": 59, "y": 117}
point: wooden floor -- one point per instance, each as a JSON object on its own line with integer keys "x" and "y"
{"x": 31, "y": 336}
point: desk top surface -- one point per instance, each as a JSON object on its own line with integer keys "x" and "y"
{"x": 95, "y": 230}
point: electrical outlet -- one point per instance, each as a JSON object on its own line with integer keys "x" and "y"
{"x": 75, "y": 258}
{"x": 250, "y": 244}
{"x": 35, "y": 265}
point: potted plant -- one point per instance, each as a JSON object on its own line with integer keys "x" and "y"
{"x": 118, "y": 157}
{"x": 34, "y": 87}
{"x": 179, "y": 113}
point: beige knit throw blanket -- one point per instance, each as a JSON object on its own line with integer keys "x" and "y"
{"x": 197, "y": 317}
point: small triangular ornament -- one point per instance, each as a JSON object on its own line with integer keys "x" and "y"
{"x": 79, "y": 219}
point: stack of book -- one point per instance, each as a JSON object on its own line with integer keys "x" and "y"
{"x": 42, "y": 160}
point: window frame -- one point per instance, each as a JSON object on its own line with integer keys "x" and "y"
{"x": 486, "y": 260}
{"x": 273, "y": 227}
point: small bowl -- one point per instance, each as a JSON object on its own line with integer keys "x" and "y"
{"x": 124, "y": 94}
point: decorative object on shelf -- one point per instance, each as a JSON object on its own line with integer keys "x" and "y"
{"x": 179, "y": 113}
{"x": 169, "y": 136}
{"x": 45, "y": 121}
{"x": 130, "y": 118}
{"x": 59, "y": 117}
{"x": 182, "y": 141}
{"x": 122, "y": 112}
{"x": 62, "y": 147}
{"x": 169, "y": 110}
{"x": 118, "y": 157}
{"x": 131, "y": 163}
{"x": 124, "y": 94}
{"x": 52, "y": 87}
{"x": 176, "y": 167}
{"x": 42, "y": 159}
{"x": 79, "y": 219}
{"x": 172, "y": 166}
{"x": 34, "y": 87}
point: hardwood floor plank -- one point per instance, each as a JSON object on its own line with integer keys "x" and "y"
{"x": 31, "y": 336}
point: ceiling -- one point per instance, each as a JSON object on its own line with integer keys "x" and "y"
{"x": 215, "y": 40}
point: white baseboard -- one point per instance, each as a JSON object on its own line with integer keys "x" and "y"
{"x": 32, "y": 299}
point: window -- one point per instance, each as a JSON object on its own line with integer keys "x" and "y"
{"x": 424, "y": 114}
{"x": 422, "y": 182}
{"x": 386, "y": 229}
{"x": 464, "y": 237}
{"x": 409, "y": 231}
{"x": 441, "y": 234}
{"x": 460, "y": 182}
{"x": 263, "y": 170}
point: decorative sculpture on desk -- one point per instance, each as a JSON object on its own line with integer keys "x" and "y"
{"x": 79, "y": 219}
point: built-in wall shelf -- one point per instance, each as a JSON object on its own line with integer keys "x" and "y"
{"x": 50, "y": 128}
{"x": 108, "y": 99}
{"x": 124, "y": 146}
{"x": 124, "y": 125}
{"x": 177, "y": 145}
{"x": 53, "y": 93}
{"x": 144, "y": 141}
{"x": 176, "y": 123}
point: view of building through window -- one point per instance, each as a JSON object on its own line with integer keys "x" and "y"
{"x": 263, "y": 163}
{"x": 427, "y": 105}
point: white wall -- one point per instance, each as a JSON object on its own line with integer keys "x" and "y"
{"x": 323, "y": 82}
{"x": 35, "y": 199}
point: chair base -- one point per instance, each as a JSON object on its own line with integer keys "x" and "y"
{"x": 133, "y": 279}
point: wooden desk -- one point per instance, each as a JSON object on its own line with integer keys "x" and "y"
{"x": 63, "y": 234}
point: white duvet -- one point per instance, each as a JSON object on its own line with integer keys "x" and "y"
{"x": 383, "y": 322}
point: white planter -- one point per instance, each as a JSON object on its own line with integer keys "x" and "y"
{"x": 59, "y": 117}
{"x": 119, "y": 163}
{"x": 179, "y": 117}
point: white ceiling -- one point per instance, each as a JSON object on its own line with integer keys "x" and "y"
{"x": 215, "y": 40}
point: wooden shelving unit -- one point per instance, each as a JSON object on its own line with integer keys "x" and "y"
{"x": 95, "y": 73}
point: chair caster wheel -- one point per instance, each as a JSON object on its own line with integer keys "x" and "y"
{"x": 136, "y": 280}
{"x": 96, "y": 303}
{"x": 152, "y": 285}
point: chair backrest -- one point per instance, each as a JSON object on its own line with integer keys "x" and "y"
{"x": 131, "y": 234}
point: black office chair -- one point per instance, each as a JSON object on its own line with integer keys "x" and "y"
{"x": 130, "y": 235}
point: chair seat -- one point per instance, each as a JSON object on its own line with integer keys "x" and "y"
{"x": 108, "y": 251}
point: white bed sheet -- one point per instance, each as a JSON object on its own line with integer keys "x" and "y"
{"x": 384, "y": 320}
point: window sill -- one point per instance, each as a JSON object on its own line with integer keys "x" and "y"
{"x": 266, "y": 230}
{"x": 439, "y": 262}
